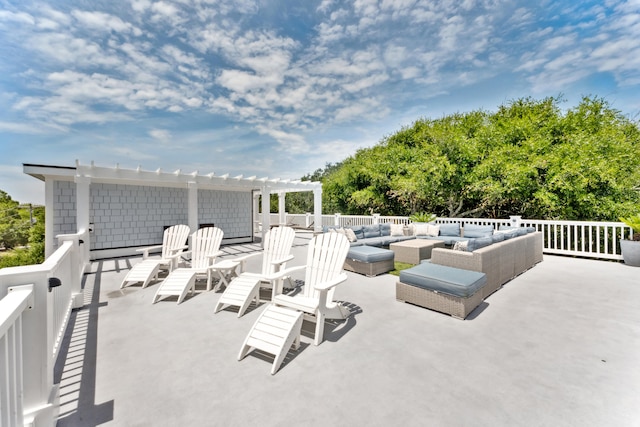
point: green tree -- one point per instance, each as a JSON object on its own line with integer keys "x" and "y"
{"x": 14, "y": 227}
{"x": 528, "y": 158}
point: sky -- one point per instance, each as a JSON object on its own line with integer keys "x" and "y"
{"x": 279, "y": 89}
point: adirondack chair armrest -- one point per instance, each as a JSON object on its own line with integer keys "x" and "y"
{"x": 333, "y": 283}
{"x": 177, "y": 251}
{"x": 279, "y": 262}
{"x": 286, "y": 272}
{"x": 145, "y": 251}
{"x": 175, "y": 255}
{"x": 213, "y": 256}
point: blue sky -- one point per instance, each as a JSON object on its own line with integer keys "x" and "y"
{"x": 280, "y": 88}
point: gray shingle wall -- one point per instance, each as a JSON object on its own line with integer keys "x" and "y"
{"x": 228, "y": 210}
{"x": 64, "y": 208}
{"x": 133, "y": 215}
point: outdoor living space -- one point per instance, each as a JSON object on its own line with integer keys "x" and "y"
{"x": 557, "y": 345}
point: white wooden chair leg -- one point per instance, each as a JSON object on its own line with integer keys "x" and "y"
{"x": 319, "y": 328}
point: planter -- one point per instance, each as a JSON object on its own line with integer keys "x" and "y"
{"x": 630, "y": 252}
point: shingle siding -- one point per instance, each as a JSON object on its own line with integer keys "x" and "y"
{"x": 64, "y": 208}
{"x": 134, "y": 215}
{"x": 228, "y": 210}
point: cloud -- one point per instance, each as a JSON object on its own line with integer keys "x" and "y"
{"x": 99, "y": 21}
{"x": 160, "y": 134}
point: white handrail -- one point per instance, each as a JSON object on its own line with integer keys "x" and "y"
{"x": 12, "y": 306}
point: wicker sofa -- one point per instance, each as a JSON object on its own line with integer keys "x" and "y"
{"x": 501, "y": 261}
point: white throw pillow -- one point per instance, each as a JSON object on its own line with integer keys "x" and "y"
{"x": 397, "y": 230}
{"x": 433, "y": 230}
{"x": 461, "y": 246}
{"x": 420, "y": 229}
{"x": 351, "y": 235}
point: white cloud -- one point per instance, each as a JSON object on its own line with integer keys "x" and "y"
{"x": 160, "y": 134}
{"x": 104, "y": 22}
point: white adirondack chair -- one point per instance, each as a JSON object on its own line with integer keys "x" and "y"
{"x": 277, "y": 328}
{"x": 325, "y": 258}
{"x": 174, "y": 242}
{"x": 246, "y": 287}
{"x": 205, "y": 245}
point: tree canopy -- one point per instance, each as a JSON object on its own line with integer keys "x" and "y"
{"x": 528, "y": 158}
{"x": 21, "y": 228}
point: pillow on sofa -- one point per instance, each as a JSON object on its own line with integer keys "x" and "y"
{"x": 461, "y": 245}
{"x": 385, "y": 229}
{"x": 357, "y": 229}
{"x": 521, "y": 231}
{"x": 473, "y": 230}
{"x": 351, "y": 235}
{"x": 479, "y": 242}
{"x": 508, "y": 234}
{"x": 450, "y": 229}
{"x": 372, "y": 230}
{"x": 397, "y": 230}
{"x": 497, "y": 237}
{"x": 420, "y": 229}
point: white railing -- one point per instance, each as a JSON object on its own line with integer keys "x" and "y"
{"x": 56, "y": 288}
{"x": 598, "y": 240}
{"x": 12, "y": 307}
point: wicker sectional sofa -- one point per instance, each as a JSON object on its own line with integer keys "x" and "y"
{"x": 500, "y": 261}
{"x": 498, "y": 258}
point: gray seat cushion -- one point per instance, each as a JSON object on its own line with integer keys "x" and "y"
{"x": 369, "y": 254}
{"x": 448, "y": 280}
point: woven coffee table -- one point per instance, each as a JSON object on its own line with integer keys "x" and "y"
{"x": 413, "y": 251}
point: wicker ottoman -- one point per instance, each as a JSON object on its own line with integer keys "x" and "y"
{"x": 413, "y": 251}
{"x": 369, "y": 260}
{"x": 453, "y": 291}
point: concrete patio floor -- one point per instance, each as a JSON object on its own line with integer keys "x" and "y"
{"x": 557, "y": 346}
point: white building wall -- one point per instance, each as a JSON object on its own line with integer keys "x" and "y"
{"x": 230, "y": 211}
{"x": 133, "y": 215}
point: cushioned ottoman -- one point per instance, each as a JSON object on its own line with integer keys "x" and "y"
{"x": 369, "y": 260}
{"x": 449, "y": 290}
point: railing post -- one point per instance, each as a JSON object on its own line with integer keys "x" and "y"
{"x": 336, "y": 219}
{"x": 307, "y": 220}
{"x": 376, "y": 218}
{"x": 515, "y": 220}
{"x": 77, "y": 296}
{"x": 40, "y": 394}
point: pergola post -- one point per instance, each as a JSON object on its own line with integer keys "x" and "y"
{"x": 266, "y": 211}
{"x": 282, "y": 214}
{"x": 192, "y": 208}
{"x": 317, "y": 210}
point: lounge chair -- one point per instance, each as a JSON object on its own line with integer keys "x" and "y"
{"x": 173, "y": 244}
{"x": 205, "y": 245}
{"x": 246, "y": 287}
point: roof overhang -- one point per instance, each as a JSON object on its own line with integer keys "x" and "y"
{"x": 117, "y": 175}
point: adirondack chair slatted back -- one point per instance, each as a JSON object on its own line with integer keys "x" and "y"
{"x": 325, "y": 260}
{"x": 173, "y": 238}
{"x": 204, "y": 242}
{"x": 277, "y": 245}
